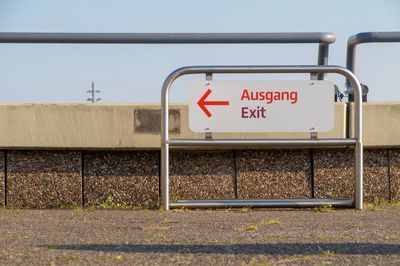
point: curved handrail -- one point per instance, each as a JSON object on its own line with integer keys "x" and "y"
{"x": 366, "y": 37}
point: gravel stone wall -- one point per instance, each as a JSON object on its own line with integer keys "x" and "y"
{"x": 334, "y": 174}
{"x": 395, "y": 174}
{"x": 202, "y": 175}
{"x": 273, "y": 174}
{"x": 54, "y": 179}
{"x": 44, "y": 179}
{"x": 124, "y": 178}
{"x": 376, "y": 175}
{"x": 2, "y": 179}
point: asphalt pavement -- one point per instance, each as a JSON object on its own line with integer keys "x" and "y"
{"x": 201, "y": 237}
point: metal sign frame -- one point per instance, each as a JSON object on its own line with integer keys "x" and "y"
{"x": 356, "y": 142}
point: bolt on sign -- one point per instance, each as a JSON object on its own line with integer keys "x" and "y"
{"x": 261, "y": 106}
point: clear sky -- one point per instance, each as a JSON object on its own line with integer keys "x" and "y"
{"x": 134, "y": 73}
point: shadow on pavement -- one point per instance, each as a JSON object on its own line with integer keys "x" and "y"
{"x": 273, "y": 249}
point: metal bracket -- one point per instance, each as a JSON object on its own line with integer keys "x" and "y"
{"x": 314, "y": 135}
{"x": 313, "y": 76}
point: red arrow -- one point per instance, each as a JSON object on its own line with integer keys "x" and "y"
{"x": 202, "y": 103}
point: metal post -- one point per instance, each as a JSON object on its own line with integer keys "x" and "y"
{"x": 358, "y": 137}
{"x": 165, "y": 176}
{"x": 359, "y": 176}
{"x": 323, "y": 55}
{"x": 164, "y": 144}
{"x": 165, "y": 139}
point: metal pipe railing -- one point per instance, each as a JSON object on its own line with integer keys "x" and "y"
{"x": 365, "y": 37}
{"x": 121, "y": 38}
{"x": 324, "y": 39}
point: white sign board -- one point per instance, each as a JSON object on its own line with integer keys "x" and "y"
{"x": 261, "y": 106}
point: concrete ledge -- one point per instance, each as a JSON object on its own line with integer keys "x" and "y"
{"x": 95, "y": 126}
{"x": 381, "y": 124}
{"x": 69, "y": 126}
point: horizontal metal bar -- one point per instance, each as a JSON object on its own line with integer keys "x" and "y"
{"x": 257, "y": 69}
{"x": 277, "y": 203}
{"x": 265, "y": 142}
{"x": 287, "y": 37}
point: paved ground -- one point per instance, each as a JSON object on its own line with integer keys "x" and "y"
{"x": 225, "y": 237}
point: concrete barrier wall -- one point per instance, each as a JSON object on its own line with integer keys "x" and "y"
{"x": 381, "y": 124}
{"x": 95, "y": 126}
{"x": 49, "y": 158}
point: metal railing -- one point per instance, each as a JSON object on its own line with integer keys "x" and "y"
{"x": 324, "y": 39}
{"x": 166, "y": 142}
{"x": 365, "y": 37}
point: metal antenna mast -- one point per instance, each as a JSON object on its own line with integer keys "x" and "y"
{"x": 93, "y": 92}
